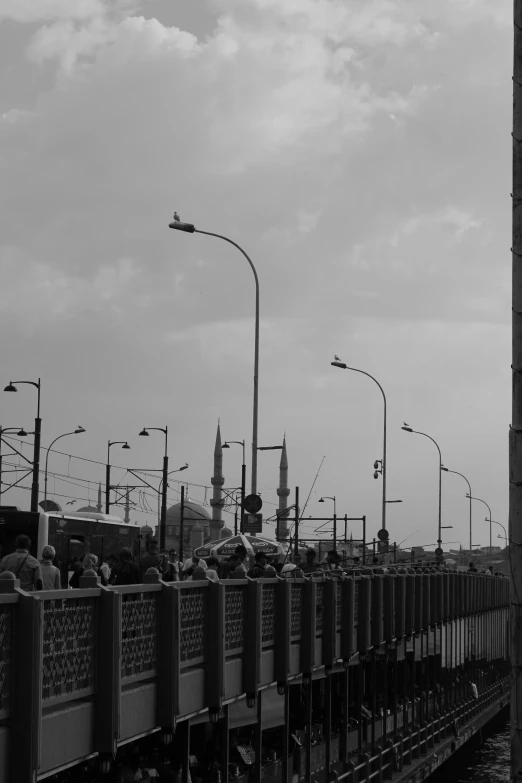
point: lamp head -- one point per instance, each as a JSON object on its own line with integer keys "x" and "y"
{"x": 126, "y": 445}
{"x": 22, "y": 433}
{"x": 225, "y": 445}
{"x": 407, "y": 429}
{"x": 180, "y": 226}
{"x": 78, "y": 430}
{"x": 342, "y": 365}
{"x": 321, "y": 500}
{"x": 10, "y": 387}
{"x": 184, "y": 467}
{"x": 144, "y": 432}
{"x": 446, "y": 470}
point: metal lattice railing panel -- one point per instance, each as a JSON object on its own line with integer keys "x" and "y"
{"x": 319, "y": 608}
{"x": 268, "y": 614}
{"x": 193, "y": 604}
{"x": 139, "y": 633}
{"x": 296, "y": 603}
{"x": 6, "y": 619}
{"x": 234, "y": 617}
{"x": 68, "y": 646}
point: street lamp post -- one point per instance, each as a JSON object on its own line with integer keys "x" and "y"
{"x": 77, "y": 431}
{"x": 447, "y": 470}
{"x": 110, "y": 443}
{"x": 163, "y": 520}
{"x": 21, "y": 434}
{"x": 321, "y": 500}
{"x": 191, "y": 229}
{"x": 35, "y": 487}
{"x": 243, "y": 478}
{"x": 504, "y": 529}
{"x": 439, "y": 527}
{"x": 160, "y": 491}
{"x": 487, "y": 520}
{"x": 343, "y": 366}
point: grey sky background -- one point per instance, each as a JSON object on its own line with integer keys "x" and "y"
{"x": 360, "y": 152}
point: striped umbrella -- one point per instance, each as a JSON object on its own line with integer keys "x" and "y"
{"x": 226, "y": 546}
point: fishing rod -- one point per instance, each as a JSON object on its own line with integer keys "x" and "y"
{"x": 301, "y": 515}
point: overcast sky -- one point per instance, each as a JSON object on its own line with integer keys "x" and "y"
{"x": 359, "y": 150}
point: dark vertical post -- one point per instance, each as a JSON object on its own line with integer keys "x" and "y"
{"x": 243, "y": 481}
{"x": 108, "y": 688}
{"x": 224, "y": 742}
{"x": 307, "y": 686}
{"x": 328, "y": 723}
{"x": 36, "y": 458}
{"x": 258, "y": 738}
{"x": 235, "y": 521}
{"x": 345, "y": 528}
{"x": 107, "y": 487}
{"x": 182, "y": 512}
{"x": 364, "y": 539}
{"x": 335, "y": 531}
{"x": 163, "y": 520}
{"x": 296, "y": 545}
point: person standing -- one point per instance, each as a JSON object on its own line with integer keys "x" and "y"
{"x": 126, "y": 571}
{"x": 23, "y": 565}
{"x": 150, "y": 559}
{"x": 50, "y": 573}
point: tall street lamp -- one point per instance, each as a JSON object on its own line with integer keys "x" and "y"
{"x": 21, "y": 434}
{"x": 322, "y": 500}
{"x": 163, "y": 520}
{"x": 191, "y": 229}
{"x": 504, "y": 529}
{"x": 406, "y": 428}
{"x": 487, "y": 520}
{"x": 110, "y": 443}
{"x": 160, "y": 491}
{"x": 35, "y": 488}
{"x": 343, "y": 366}
{"x": 447, "y": 470}
{"x": 226, "y": 445}
{"x": 77, "y": 431}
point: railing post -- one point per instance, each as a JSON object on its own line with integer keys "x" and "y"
{"x": 168, "y": 656}
{"x": 26, "y": 703}
{"x": 252, "y": 644}
{"x": 108, "y": 684}
{"x": 215, "y": 646}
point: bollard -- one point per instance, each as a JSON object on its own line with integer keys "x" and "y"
{"x": 89, "y": 578}
{"x": 152, "y": 576}
{"x": 8, "y": 582}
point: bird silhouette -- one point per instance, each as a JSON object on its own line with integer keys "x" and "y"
{"x": 406, "y": 425}
{"x": 70, "y": 502}
{"x": 337, "y": 358}
{"x": 176, "y": 217}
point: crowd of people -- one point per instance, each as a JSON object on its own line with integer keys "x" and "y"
{"x": 125, "y": 570}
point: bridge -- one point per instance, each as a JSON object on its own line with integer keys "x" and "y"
{"x": 383, "y": 662}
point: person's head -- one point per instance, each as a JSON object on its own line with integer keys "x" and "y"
{"x": 125, "y": 555}
{"x": 90, "y": 560}
{"x": 333, "y": 557}
{"x": 23, "y": 542}
{"x": 48, "y": 552}
{"x": 310, "y": 555}
{"x": 173, "y": 555}
{"x": 241, "y": 552}
{"x": 163, "y": 558}
{"x": 111, "y": 560}
{"x": 233, "y": 562}
{"x": 375, "y": 560}
{"x": 260, "y": 558}
{"x": 270, "y": 570}
{"x": 356, "y": 561}
{"x": 213, "y": 563}
{"x": 153, "y": 547}
{"x": 471, "y": 564}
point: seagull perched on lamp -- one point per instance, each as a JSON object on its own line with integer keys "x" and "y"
{"x": 176, "y": 217}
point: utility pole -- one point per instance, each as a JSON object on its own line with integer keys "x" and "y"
{"x": 515, "y": 433}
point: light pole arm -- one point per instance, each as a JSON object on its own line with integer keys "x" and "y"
{"x": 47, "y": 455}
{"x": 256, "y": 357}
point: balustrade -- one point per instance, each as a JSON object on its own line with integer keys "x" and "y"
{"x": 100, "y": 655}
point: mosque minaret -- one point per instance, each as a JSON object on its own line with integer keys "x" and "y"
{"x": 217, "y": 480}
{"x": 283, "y": 493}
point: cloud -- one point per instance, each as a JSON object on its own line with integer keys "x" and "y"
{"x": 30, "y": 11}
{"x": 460, "y": 220}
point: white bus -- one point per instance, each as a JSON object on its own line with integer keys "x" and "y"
{"x": 72, "y": 535}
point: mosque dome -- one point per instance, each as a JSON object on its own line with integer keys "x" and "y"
{"x": 193, "y": 514}
{"x": 87, "y": 509}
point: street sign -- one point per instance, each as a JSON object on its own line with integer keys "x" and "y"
{"x": 383, "y": 535}
{"x": 439, "y": 552}
{"x": 252, "y": 504}
{"x": 253, "y": 523}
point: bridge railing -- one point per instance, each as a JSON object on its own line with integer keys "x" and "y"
{"x": 194, "y": 645}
